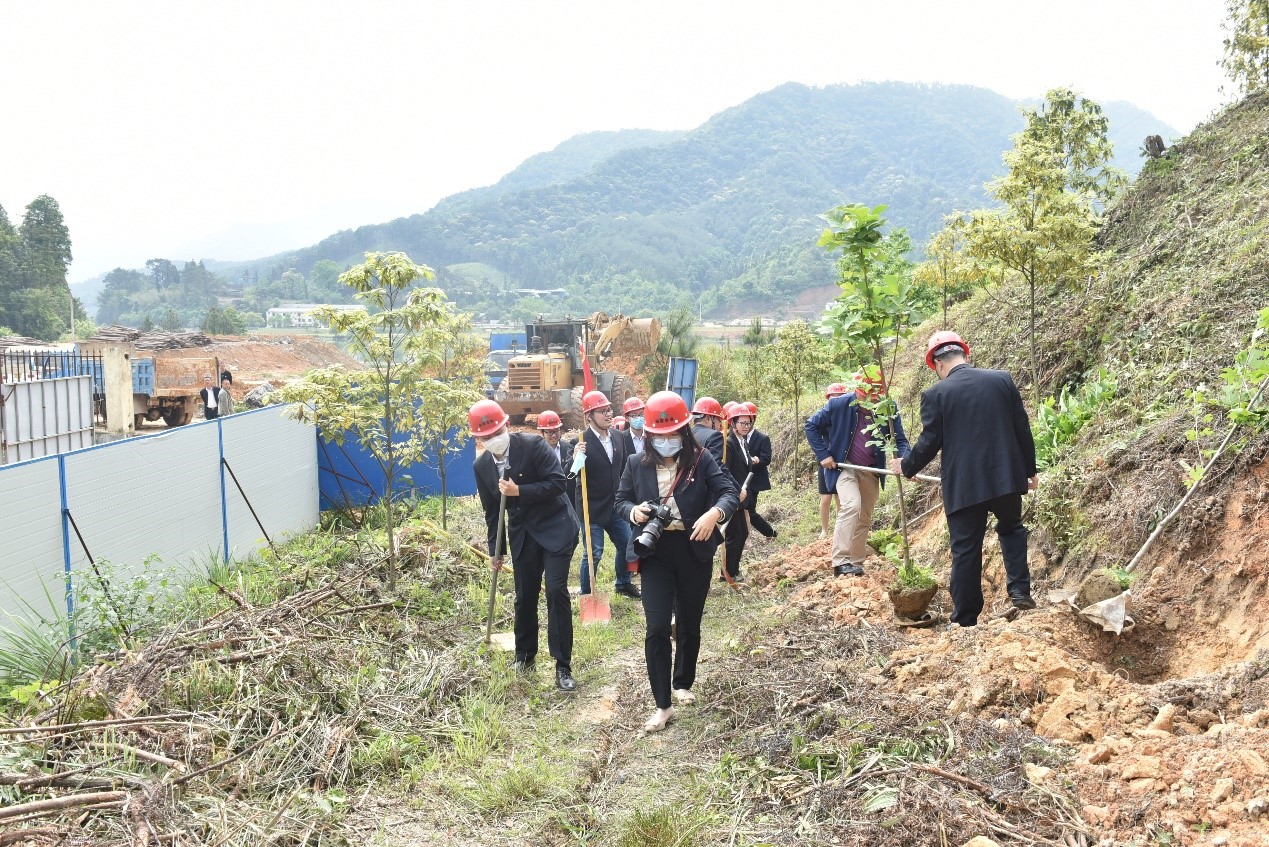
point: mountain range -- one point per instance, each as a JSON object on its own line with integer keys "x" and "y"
{"x": 721, "y": 218}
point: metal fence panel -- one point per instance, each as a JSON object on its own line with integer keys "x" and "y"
{"x": 681, "y": 379}
{"x": 46, "y": 417}
{"x": 273, "y": 457}
{"x": 155, "y": 495}
{"x": 350, "y": 476}
{"x": 31, "y": 555}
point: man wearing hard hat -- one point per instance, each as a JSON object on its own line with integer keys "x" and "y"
{"x": 976, "y": 418}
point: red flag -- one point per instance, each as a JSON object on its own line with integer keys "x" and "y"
{"x": 588, "y": 380}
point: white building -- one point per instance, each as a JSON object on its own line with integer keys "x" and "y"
{"x": 301, "y": 314}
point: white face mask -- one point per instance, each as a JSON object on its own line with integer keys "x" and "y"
{"x": 498, "y": 444}
{"x": 637, "y": 423}
{"x": 667, "y": 447}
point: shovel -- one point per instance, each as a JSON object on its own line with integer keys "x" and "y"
{"x": 499, "y": 545}
{"x": 592, "y": 607}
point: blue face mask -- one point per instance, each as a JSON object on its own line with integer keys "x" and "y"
{"x": 667, "y": 447}
{"x": 636, "y": 422}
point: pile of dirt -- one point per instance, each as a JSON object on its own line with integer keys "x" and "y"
{"x": 273, "y": 359}
{"x": 1167, "y": 725}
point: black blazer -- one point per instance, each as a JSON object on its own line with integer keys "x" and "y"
{"x": 710, "y": 439}
{"x": 602, "y": 475}
{"x": 759, "y": 447}
{"x": 976, "y": 417}
{"x": 697, "y": 492}
{"x": 541, "y": 509}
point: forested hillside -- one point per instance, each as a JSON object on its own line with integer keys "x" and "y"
{"x": 712, "y": 216}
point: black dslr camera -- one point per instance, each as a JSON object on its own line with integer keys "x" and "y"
{"x": 646, "y": 542}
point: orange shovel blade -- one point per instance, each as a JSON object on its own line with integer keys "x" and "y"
{"x": 594, "y": 608}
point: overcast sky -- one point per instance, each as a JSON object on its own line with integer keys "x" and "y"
{"x": 232, "y": 130}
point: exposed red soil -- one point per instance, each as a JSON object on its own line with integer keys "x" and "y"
{"x": 1167, "y": 724}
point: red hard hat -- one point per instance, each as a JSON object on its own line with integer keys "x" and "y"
{"x": 486, "y": 417}
{"x": 728, "y": 406}
{"x": 942, "y": 339}
{"x": 619, "y": 421}
{"x": 834, "y": 390}
{"x": 707, "y": 406}
{"x": 735, "y": 410}
{"x": 593, "y": 400}
{"x": 632, "y": 404}
{"x": 549, "y": 420}
{"x": 666, "y": 412}
{"x": 753, "y": 410}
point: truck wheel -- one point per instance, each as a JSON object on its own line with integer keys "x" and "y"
{"x": 177, "y": 418}
{"x": 572, "y": 416}
{"x": 622, "y": 390}
{"x": 137, "y": 422}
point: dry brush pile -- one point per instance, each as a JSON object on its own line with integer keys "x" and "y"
{"x": 249, "y": 724}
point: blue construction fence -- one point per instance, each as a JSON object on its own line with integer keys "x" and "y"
{"x": 348, "y": 476}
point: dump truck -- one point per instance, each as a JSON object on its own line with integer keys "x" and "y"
{"x": 163, "y": 386}
{"x": 551, "y": 376}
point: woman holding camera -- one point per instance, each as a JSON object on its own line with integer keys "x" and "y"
{"x": 677, "y": 491}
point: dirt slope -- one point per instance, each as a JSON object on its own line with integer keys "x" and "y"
{"x": 1167, "y": 724}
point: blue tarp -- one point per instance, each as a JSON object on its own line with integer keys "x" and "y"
{"x": 348, "y": 475}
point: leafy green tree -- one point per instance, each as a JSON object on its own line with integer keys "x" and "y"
{"x": 948, "y": 268}
{"x": 46, "y": 245}
{"x": 877, "y": 306}
{"x": 1246, "y": 59}
{"x": 1058, "y": 177}
{"x": 163, "y": 273}
{"x": 754, "y": 336}
{"x": 796, "y": 358}
{"x": 677, "y": 341}
{"x": 462, "y": 370}
{"x": 147, "y": 324}
{"x": 41, "y": 313}
{"x": 10, "y": 254}
{"x": 392, "y": 407}
{"x": 228, "y": 321}
{"x": 171, "y": 320}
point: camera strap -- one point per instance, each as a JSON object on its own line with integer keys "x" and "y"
{"x": 679, "y": 477}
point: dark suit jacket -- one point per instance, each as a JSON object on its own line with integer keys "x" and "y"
{"x": 975, "y": 416}
{"x": 759, "y": 447}
{"x": 602, "y": 475}
{"x": 698, "y": 492}
{"x": 540, "y": 509}
{"x": 710, "y": 439}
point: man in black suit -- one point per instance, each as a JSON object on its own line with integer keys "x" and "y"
{"x": 976, "y": 417}
{"x": 756, "y": 444}
{"x": 606, "y": 452}
{"x": 551, "y": 428}
{"x": 540, "y": 529}
{"x": 707, "y": 426}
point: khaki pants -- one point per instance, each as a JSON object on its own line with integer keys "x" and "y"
{"x": 856, "y": 496}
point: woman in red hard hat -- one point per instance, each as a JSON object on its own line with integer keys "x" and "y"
{"x": 675, "y": 473}
{"x": 540, "y": 530}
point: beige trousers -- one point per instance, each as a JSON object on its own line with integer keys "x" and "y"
{"x": 856, "y": 496}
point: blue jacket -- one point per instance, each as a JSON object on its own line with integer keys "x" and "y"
{"x": 828, "y": 431}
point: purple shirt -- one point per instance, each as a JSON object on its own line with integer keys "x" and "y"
{"x": 861, "y": 452}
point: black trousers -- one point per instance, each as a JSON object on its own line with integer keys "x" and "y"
{"x": 734, "y": 545}
{"x": 529, "y": 567}
{"x": 967, "y": 527}
{"x": 758, "y": 521}
{"x": 675, "y": 584}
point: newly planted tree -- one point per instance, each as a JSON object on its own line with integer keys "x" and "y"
{"x": 396, "y": 406}
{"x": 876, "y": 307}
